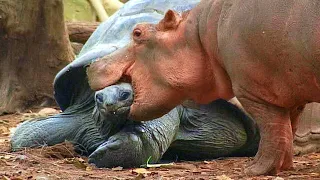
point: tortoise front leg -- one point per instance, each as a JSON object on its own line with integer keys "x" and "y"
{"x": 135, "y": 143}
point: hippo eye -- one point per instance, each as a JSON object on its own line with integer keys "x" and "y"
{"x": 124, "y": 96}
{"x": 137, "y": 33}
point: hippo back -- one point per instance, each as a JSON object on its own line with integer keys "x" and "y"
{"x": 70, "y": 84}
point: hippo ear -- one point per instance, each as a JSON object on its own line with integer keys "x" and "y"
{"x": 170, "y": 21}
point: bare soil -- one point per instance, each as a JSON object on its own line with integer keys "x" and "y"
{"x": 60, "y": 162}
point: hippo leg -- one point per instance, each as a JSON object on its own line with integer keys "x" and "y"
{"x": 134, "y": 144}
{"x": 276, "y": 144}
{"x": 294, "y": 117}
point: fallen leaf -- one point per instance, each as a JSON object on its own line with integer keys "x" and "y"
{"x": 5, "y": 178}
{"x": 16, "y": 178}
{"x": 47, "y": 111}
{"x": 139, "y": 177}
{"x": 223, "y": 177}
{"x": 19, "y": 172}
{"x": 42, "y": 177}
{"x": 4, "y": 130}
{"x": 4, "y": 122}
{"x": 12, "y": 130}
{"x": 300, "y": 162}
{"x": 21, "y": 157}
{"x": 81, "y": 160}
{"x": 140, "y": 171}
{"x": 7, "y": 157}
{"x": 4, "y": 162}
{"x": 68, "y": 160}
{"x": 88, "y": 168}
{"x": 196, "y": 172}
{"x": 119, "y": 168}
{"x": 79, "y": 163}
{"x": 278, "y": 178}
{"x": 314, "y": 156}
{"x": 60, "y": 151}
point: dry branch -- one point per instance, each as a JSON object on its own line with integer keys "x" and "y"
{"x": 81, "y": 31}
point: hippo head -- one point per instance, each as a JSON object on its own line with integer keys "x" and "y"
{"x": 165, "y": 63}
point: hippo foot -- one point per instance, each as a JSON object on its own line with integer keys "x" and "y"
{"x": 273, "y": 155}
{"x": 270, "y": 163}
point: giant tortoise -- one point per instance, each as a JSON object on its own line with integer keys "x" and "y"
{"x": 112, "y": 140}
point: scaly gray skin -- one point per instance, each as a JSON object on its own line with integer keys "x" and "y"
{"x": 218, "y": 129}
{"x": 136, "y": 142}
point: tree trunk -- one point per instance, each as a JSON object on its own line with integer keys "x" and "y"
{"x": 34, "y": 46}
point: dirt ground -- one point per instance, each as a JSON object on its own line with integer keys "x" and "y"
{"x": 60, "y": 162}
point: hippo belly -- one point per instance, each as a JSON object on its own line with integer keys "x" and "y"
{"x": 274, "y": 54}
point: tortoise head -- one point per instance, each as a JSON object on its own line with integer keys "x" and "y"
{"x": 114, "y": 100}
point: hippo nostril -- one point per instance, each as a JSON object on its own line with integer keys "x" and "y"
{"x": 99, "y": 98}
{"x": 124, "y": 96}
